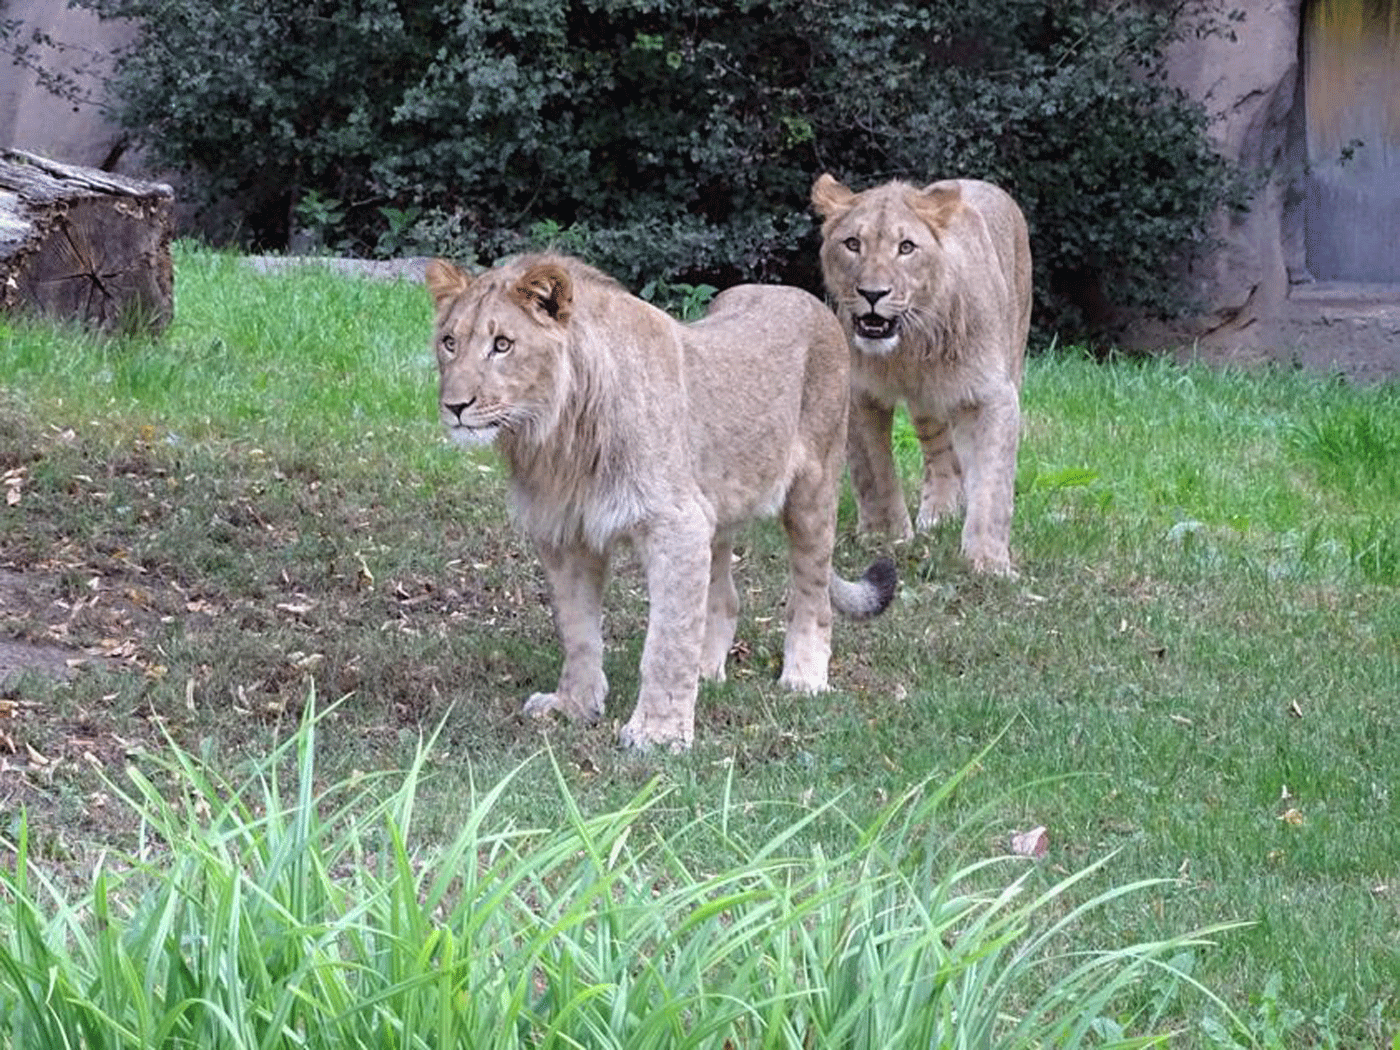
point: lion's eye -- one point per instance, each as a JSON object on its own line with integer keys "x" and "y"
{"x": 852, "y": 244}
{"x": 502, "y": 345}
{"x": 905, "y": 247}
{"x": 449, "y": 345}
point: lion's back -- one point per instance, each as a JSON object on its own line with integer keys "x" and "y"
{"x": 773, "y": 343}
{"x": 767, "y": 374}
{"x": 1002, "y": 223}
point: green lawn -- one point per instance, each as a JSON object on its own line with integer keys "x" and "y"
{"x": 1197, "y": 669}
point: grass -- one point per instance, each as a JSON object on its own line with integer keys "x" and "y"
{"x": 281, "y": 912}
{"x": 1196, "y": 672}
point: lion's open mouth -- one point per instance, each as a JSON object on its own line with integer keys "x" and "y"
{"x": 873, "y": 326}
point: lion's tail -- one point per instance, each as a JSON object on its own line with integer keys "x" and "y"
{"x": 868, "y": 596}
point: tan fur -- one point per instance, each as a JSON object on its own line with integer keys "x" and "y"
{"x": 619, "y": 424}
{"x": 948, "y": 268}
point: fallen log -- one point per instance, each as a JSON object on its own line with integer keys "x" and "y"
{"x": 85, "y": 245}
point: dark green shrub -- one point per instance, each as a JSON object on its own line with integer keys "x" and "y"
{"x": 677, "y": 139}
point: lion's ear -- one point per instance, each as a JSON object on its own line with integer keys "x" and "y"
{"x": 445, "y": 281}
{"x": 547, "y": 289}
{"x": 936, "y": 204}
{"x": 830, "y": 199}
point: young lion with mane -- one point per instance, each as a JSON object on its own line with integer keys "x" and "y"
{"x": 618, "y": 424}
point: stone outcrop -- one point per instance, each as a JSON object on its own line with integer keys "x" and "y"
{"x": 1250, "y": 87}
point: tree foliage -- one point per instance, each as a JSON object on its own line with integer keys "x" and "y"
{"x": 677, "y": 139}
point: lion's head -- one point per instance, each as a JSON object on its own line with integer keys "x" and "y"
{"x": 500, "y": 341}
{"x": 883, "y": 257}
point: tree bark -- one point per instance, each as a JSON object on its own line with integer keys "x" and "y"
{"x": 84, "y": 245}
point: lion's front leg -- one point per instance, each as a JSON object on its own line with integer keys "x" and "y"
{"x": 879, "y": 494}
{"x": 576, "y": 575}
{"x": 676, "y": 554}
{"x": 985, "y": 441}
{"x": 941, "y": 493}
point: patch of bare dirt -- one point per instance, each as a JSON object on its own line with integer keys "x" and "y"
{"x": 17, "y": 655}
{"x": 50, "y": 747}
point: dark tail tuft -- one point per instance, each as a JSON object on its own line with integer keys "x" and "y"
{"x": 870, "y": 595}
{"x": 885, "y": 579}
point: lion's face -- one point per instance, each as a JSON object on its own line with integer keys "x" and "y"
{"x": 881, "y": 257}
{"x": 499, "y": 341}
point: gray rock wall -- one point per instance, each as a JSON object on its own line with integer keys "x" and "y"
{"x": 1261, "y": 300}
{"x": 33, "y": 118}
{"x": 1250, "y": 87}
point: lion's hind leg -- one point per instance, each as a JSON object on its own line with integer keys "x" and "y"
{"x": 809, "y": 518}
{"x": 879, "y": 493}
{"x": 576, "y": 576}
{"x": 721, "y": 609}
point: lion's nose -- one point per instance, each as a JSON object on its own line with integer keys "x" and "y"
{"x": 458, "y": 408}
{"x": 872, "y": 297}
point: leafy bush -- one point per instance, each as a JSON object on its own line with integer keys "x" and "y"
{"x": 678, "y": 140}
{"x": 265, "y": 914}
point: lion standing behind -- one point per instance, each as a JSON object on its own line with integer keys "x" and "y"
{"x": 933, "y": 288}
{"x": 619, "y": 424}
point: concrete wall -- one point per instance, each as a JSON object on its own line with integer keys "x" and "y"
{"x": 1262, "y": 300}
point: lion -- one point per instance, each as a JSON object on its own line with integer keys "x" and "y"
{"x": 933, "y": 289}
{"x": 620, "y": 425}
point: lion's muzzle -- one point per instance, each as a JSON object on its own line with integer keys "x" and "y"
{"x": 464, "y": 427}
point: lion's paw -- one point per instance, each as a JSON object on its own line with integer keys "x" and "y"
{"x": 645, "y": 734}
{"x": 993, "y": 565}
{"x": 807, "y": 682}
{"x": 541, "y": 705}
{"x": 928, "y": 519}
{"x": 712, "y": 670}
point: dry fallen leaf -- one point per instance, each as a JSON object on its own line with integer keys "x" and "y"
{"x": 1031, "y": 843}
{"x": 1292, "y": 816}
{"x": 364, "y": 580}
{"x": 305, "y": 661}
{"x": 13, "y": 480}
